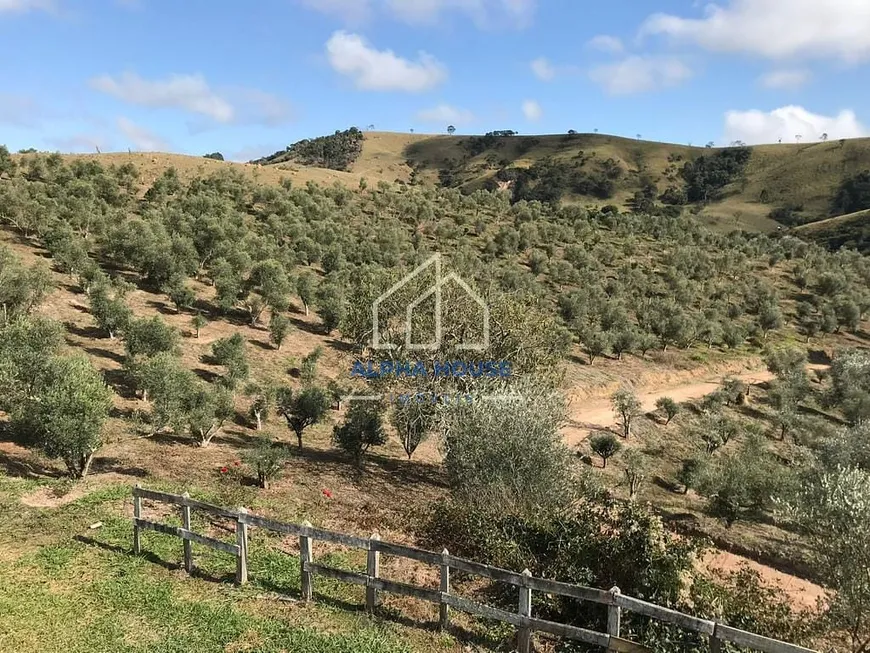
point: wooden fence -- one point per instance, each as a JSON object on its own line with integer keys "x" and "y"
{"x": 526, "y": 624}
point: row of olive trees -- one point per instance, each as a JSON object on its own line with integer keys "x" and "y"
{"x": 57, "y": 402}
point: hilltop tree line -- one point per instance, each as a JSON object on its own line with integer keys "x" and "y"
{"x": 337, "y": 151}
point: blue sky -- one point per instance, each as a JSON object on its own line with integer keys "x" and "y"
{"x": 247, "y": 78}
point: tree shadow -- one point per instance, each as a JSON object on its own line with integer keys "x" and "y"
{"x": 261, "y": 345}
{"x": 116, "y": 466}
{"x": 162, "y": 307}
{"x": 308, "y": 327}
{"x": 104, "y": 353}
{"x": 206, "y": 375}
{"x": 90, "y": 332}
{"x": 818, "y": 357}
{"x": 118, "y": 381}
{"x": 26, "y": 467}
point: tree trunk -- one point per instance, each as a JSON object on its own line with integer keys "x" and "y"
{"x": 145, "y": 394}
{"x": 299, "y": 439}
{"x": 259, "y": 421}
{"x": 86, "y": 464}
{"x": 603, "y": 462}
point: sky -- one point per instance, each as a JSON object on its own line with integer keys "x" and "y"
{"x": 248, "y": 77}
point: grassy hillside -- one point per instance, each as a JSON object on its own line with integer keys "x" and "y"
{"x": 796, "y": 177}
{"x": 851, "y": 230}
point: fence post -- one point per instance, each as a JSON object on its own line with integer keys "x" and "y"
{"x": 443, "y": 608}
{"x": 304, "y": 559}
{"x": 242, "y": 541}
{"x": 137, "y": 514}
{"x": 524, "y": 635}
{"x": 373, "y": 570}
{"x": 715, "y": 642}
{"x": 185, "y": 522}
{"x": 614, "y": 614}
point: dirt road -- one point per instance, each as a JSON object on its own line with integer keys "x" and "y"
{"x": 598, "y": 414}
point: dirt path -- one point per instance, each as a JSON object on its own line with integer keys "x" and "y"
{"x": 598, "y": 414}
{"x": 587, "y": 415}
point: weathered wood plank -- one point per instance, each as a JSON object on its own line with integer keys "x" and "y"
{"x": 146, "y": 525}
{"x": 666, "y": 614}
{"x": 242, "y": 543}
{"x": 307, "y": 531}
{"x": 757, "y": 642}
{"x": 407, "y": 552}
{"x": 208, "y": 541}
{"x": 619, "y": 645}
{"x": 180, "y": 500}
{"x": 305, "y": 559}
{"x": 432, "y": 596}
{"x": 524, "y": 634}
{"x": 444, "y": 577}
{"x": 573, "y": 591}
{"x": 487, "y": 571}
{"x": 541, "y": 625}
{"x": 373, "y": 570}
{"x": 186, "y": 525}
{"x": 351, "y": 577}
{"x": 137, "y": 514}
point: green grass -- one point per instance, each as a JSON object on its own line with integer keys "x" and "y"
{"x": 72, "y": 589}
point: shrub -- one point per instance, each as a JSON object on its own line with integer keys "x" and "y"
{"x": 302, "y": 409}
{"x": 605, "y": 445}
{"x": 669, "y": 407}
{"x": 266, "y": 460}
{"x": 507, "y": 452}
{"x": 363, "y": 428}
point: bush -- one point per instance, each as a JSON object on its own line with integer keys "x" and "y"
{"x": 363, "y": 428}
{"x": 266, "y": 460}
{"x": 506, "y": 451}
{"x": 605, "y": 445}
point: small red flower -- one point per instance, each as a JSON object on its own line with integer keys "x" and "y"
{"x": 327, "y": 493}
{"x": 224, "y": 470}
{"x": 237, "y": 463}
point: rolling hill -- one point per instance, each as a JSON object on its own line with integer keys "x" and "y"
{"x": 798, "y": 177}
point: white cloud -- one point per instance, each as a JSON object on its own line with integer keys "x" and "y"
{"x": 21, "y": 6}
{"x": 640, "y": 74}
{"x": 189, "y": 92}
{"x": 755, "y": 127}
{"x": 776, "y": 28}
{"x": 445, "y": 114}
{"x": 141, "y": 138}
{"x": 606, "y": 43}
{"x": 381, "y": 70}
{"x": 543, "y": 69}
{"x": 350, "y": 11}
{"x": 787, "y": 79}
{"x": 192, "y": 93}
{"x": 484, "y": 13}
{"x": 532, "y": 110}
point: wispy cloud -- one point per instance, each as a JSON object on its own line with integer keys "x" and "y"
{"x": 382, "y": 70}
{"x": 140, "y": 137}
{"x": 640, "y": 74}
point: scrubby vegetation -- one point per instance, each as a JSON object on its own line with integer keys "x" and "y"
{"x": 337, "y": 151}
{"x": 564, "y": 285}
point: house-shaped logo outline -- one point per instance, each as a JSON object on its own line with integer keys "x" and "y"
{"x": 435, "y": 289}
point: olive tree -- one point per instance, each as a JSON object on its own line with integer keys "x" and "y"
{"x": 413, "y": 420}
{"x": 626, "y": 404}
{"x": 832, "y": 509}
{"x": 362, "y": 429}
{"x": 266, "y": 459}
{"x": 605, "y": 445}
{"x": 505, "y": 451}
{"x": 230, "y": 353}
{"x": 66, "y": 418}
{"x": 302, "y": 409}
{"x": 669, "y": 407}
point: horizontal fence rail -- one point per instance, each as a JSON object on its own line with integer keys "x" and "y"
{"x": 526, "y": 625}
